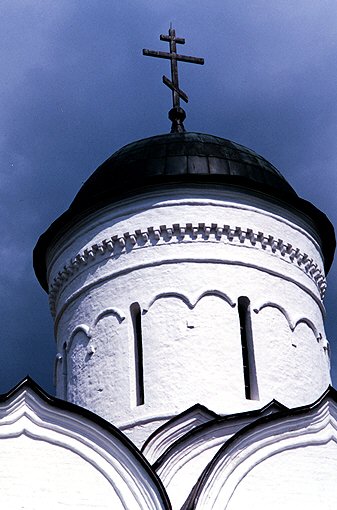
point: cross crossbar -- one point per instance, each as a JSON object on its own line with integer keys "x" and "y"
{"x": 168, "y": 38}
{"x": 173, "y": 56}
{"x": 172, "y": 87}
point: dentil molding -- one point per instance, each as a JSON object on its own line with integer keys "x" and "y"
{"x": 116, "y": 245}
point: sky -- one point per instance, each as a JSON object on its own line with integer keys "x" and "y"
{"x": 75, "y": 88}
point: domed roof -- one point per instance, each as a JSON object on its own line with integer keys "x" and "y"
{"x": 181, "y": 159}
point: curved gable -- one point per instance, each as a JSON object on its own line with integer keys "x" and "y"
{"x": 178, "y": 426}
{"x": 180, "y": 466}
{"x": 56, "y": 452}
{"x": 290, "y": 453}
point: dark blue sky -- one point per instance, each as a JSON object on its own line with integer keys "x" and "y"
{"x": 75, "y": 87}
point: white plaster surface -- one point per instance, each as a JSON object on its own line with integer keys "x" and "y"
{"x": 38, "y": 475}
{"x": 305, "y": 477}
{"x": 187, "y": 288}
{"x": 165, "y": 437}
{"x": 56, "y": 458}
{"x": 181, "y": 465}
{"x": 286, "y": 461}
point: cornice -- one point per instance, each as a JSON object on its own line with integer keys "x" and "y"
{"x": 123, "y": 244}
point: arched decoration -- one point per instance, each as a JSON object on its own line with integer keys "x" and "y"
{"x": 57, "y": 363}
{"x": 87, "y": 330}
{"x": 287, "y": 432}
{"x": 278, "y": 307}
{"x": 192, "y": 301}
{"x": 202, "y": 343}
{"x": 90, "y": 349}
{"x": 81, "y": 328}
{"x": 292, "y": 325}
{"x": 76, "y": 354}
{"x": 120, "y": 316}
{"x": 310, "y": 325}
{"x": 48, "y": 433}
{"x": 125, "y": 243}
{"x": 217, "y": 293}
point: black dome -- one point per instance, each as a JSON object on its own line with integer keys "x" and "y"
{"x": 178, "y": 159}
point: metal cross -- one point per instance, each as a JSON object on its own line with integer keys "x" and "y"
{"x": 176, "y": 114}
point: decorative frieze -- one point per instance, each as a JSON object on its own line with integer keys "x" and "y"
{"x": 116, "y": 245}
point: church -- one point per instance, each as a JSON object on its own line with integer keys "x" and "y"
{"x": 186, "y": 282}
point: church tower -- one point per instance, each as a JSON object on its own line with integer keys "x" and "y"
{"x": 186, "y": 270}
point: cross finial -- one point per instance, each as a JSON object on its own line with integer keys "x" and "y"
{"x": 177, "y": 115}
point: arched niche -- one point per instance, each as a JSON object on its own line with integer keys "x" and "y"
{"x": 287, "y": 349}
{"x": 193, "y": 348}
{"x": 97, "y": 363}
{"x": 109, "y": 362}
{"x": 77, "y": 364}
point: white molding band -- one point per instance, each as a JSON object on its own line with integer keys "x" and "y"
{"x": 224, "y": 233}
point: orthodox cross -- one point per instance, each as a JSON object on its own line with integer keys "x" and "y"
{"x": 177, "y": 115}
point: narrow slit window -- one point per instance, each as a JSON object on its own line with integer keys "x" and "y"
{"x": 138, "y": 348}
{"x": 65, "y": 371}
{"x": 248, "y": 358}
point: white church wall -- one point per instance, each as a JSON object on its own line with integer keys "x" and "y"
{"x": 36, "y": 474}
{"x": 189, "y": 351}
{"x": 297, "y": 478}
{"x": 164, "y": 437}
{"x": 181, "y": 465}
{"x": 89, "y": 355}
{"x": 186, "y": 260}
{"x": 302, "y": 350}
{"x": 53, "y": 457}
{"x": 283, "y": 461}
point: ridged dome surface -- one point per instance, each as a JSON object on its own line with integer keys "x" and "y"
{"x": 180, "y": 157}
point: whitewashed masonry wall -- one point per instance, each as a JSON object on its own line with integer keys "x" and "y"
{"x": 145, "y": 296}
